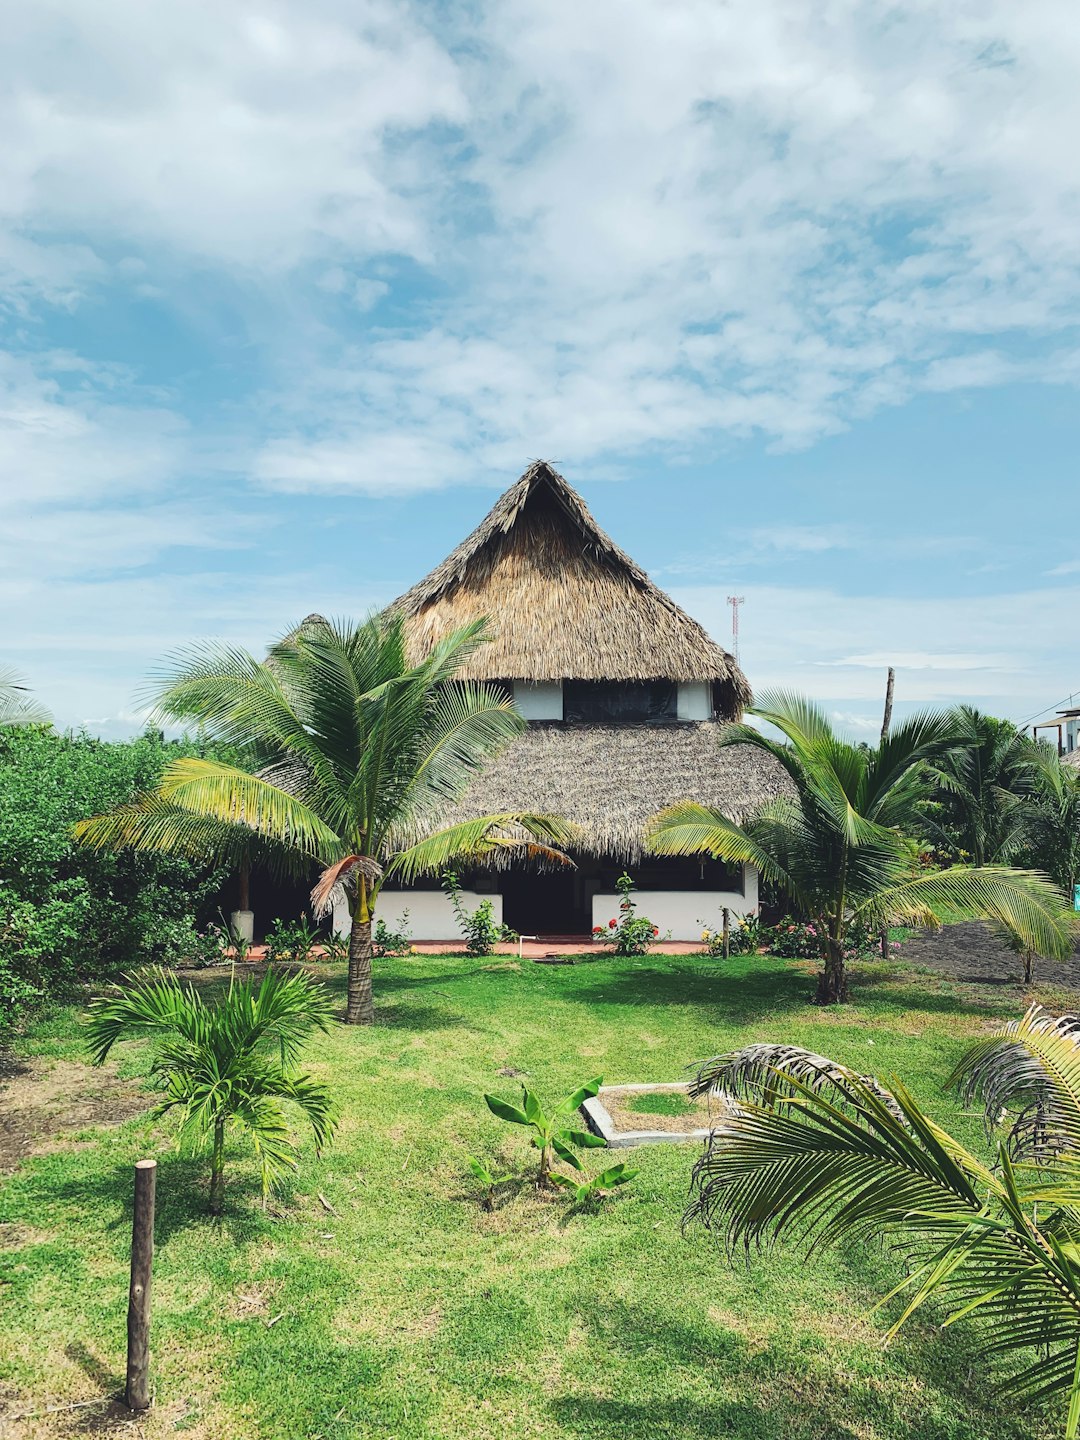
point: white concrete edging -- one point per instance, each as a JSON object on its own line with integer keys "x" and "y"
{"x": 600, "y": 1122}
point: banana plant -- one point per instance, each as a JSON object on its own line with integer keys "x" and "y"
{"x": 553, "y": 1132}
{"x": 600, "y": 1186}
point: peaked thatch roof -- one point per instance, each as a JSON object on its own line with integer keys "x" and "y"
{"x": 564, "y": 601}
{"x": 609, "y": 780}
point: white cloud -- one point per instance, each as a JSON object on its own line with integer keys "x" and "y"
{"x": 1002, "y": 651}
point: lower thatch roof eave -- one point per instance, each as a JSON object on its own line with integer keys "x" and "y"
{"x": 610, "y": 780}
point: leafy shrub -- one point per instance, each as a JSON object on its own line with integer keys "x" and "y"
{"x": 479, "y": 928}
{"x": 795, "y": 940}
{"x": 630, "y": 933}
{"x": 745, "y": 937}
{"x": 291, "y": 940}
{"x": 69, "y": 915}
{"x": 392, "y": 942}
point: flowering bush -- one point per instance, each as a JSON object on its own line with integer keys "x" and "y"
{"x": 745, "y": 937}
{"x": 630, "y": 933}
{"x": 798, "y": 940}
{"x": 795, "y": 940}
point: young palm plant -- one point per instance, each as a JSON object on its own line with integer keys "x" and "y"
{"x": 977, "y": 786}
{"x": 226, "y": 1061}
{"x": 1052, "y": 818}
{"x": 838, "y": 846}
{"x": 809, "y": 1149}
{"x": 359, "y": 752}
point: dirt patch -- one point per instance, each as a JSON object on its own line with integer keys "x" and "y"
{"x": 972, "y": 953}
{"x": 43, "y": 1102}
{"x": 625, "y": 1115}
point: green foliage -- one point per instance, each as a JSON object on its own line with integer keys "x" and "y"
{"x": 492, "y": 1184}
{"x": 553, "y": 1131}
{"x": 479, "y": 928}
{"x": 292, "y": 941}
{"x": 357, "y": 748}
{"x": 600, "y": 1186}
{"x": 817, "y": 1151}
{"x": 745, "y": 937}
{"x": 392, "y": 942}
{"x": 974, "y": 807}
{"x": 1052, "y": 818}
{"x": 629, "y": 933}
{"x": 226, "y": 1061}
{"x": 841, "y": 851}
{"x": 68, "y": 915}
{"x": 17, "y": 705}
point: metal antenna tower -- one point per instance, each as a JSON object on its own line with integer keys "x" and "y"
{"x": 735, "y": 601}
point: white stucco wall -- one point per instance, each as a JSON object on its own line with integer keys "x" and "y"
{"x": 430, "y": 914}
{"x": 683, "y": 912}
{"x": 540, "y": 701}
{"x": 694, "y": 701}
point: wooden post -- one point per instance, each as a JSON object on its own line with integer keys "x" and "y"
{"x": 887, "y": 720}
{"x": 727, "y": 933}
{"x": 137, "y": 1394}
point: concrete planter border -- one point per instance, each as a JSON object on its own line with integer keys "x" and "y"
{"x": 598, "y": 1118}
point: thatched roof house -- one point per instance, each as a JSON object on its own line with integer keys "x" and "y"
{"x": 626, "y": 695}
{"x": 564, "y": 601}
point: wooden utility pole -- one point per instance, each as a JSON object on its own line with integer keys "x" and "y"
{"x": 137, "y": 1393}
{"x": 883, "y": 933}
{"x": 727, "y": 933}
{"x": 887, "y": 721}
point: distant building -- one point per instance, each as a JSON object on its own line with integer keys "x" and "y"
{"x": 625, "y": 696}
{"x": 1067, "y": 726}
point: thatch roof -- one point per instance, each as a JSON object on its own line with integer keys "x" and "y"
{"x": 609, "y": 780}
{"x": 564, "y": 601}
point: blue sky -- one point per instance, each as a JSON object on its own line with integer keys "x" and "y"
{"x": 790, "y": 291}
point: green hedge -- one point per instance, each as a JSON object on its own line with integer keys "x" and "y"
{"x": 69, "y": 915}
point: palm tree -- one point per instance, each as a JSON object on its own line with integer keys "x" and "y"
{"x": 977, "y": 787}
{"x": 226, "y": 1061}
{"x": 1052, "y": 818}
{"x": 838, "y": 847}
{"x": 810, "y": 1149}
{"x": 359, "y": 752}
{"x": 17, "y": 707}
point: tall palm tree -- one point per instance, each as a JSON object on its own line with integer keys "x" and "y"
{"x": 977, "y": 786}
{"x": 839, "y": 848}
{"x": 360, "y": 752}
{"x": 1052, "y": 818}
{"x": 17, "y": 706}
{"x": 810, "y": 1149}
{"x": 229, "y": 1060}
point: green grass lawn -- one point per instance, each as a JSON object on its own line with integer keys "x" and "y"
{"x": 411, "y": 1312}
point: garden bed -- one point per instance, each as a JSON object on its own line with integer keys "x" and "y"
{"x": 651, "y": 1114}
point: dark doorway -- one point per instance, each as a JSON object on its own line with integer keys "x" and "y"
{"x": 535, "y": 903}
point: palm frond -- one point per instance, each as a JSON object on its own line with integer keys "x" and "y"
{"x": 691, "y": 829}
{"x": 17, "y": 705}
{"x": 539, "y": 836}
{"x": 1024, "y": 903}
{"x": 1028, "y": 1075}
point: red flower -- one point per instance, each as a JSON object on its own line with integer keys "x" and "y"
{"x": 598, "y": 929}
{"x": 655, "y": 931}
{"x": 613, "y": 924}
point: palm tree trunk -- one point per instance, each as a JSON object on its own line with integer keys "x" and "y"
{"x": 360, "y": 1009}
{"x": 217, "y": 1169}
{"x": 832, "y": 982}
